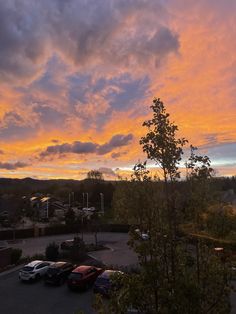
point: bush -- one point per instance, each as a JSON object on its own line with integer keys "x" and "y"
{"x": 220, "y": 223}
{"x": 52, "y": 251}
{"x": 211, "y": 242}
{"x": 78, "y": 250}
{"x": 37, "y": 256}
{"x": 15, "y": 255}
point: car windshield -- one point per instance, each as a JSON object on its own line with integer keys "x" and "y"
{"x": 75, "y": 276}
{"x": 28, "y": 268}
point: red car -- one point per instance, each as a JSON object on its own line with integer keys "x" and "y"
{"x": 83, "y": 276}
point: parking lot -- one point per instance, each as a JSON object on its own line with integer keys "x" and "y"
{"x": 37, "y": 298}
{"x": 18, "y": 297}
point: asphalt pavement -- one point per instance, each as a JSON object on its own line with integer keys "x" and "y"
{"x": 18, "y": 297}
{"x": 119, "y": 254}
{"x": 35, "y": 298}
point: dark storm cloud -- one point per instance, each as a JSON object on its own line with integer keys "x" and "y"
{"x": 90, "y": 29}
{"x": 118, "y": 140}
{"x": 12, "y": 166}
{"x": 120, "y": 93}
{"x": 78, "y": 147}
{"x": 22, "y": 40}
{"x": 80, "y": 31}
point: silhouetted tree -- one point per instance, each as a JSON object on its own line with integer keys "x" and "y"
{"x": 95, "y": 175}
{"x": 171, "y": 279}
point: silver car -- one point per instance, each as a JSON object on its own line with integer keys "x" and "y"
{"x": 34, "y": 270}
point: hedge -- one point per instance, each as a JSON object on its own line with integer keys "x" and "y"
{"x": 59, "y": 229}
{"x": 231, "y": 245}
{"x": 19, "y": 234}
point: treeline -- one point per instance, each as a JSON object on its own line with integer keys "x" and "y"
{"x": 61, "y": 187}
{"x": 11, "y": 189}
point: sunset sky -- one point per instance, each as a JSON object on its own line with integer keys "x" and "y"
{"x": 78, "y": 78}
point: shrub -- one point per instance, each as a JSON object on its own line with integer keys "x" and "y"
{"x": 52, "y": 251}
{"x": 220, "y": 223}
{"x": 15, "y": 255}
{"x": 78, "y": 250}
{"x": 37, "y": 256}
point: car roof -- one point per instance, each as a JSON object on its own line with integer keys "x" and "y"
{"x": 59, "y": 264}
{"x": 34, "y": 263}
{"x": 82, "y": 268}
{"x": 107, "y": 273}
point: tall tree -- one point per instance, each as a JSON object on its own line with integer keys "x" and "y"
{"x": 171, "y": 278}
{"x": 162, "y": 146}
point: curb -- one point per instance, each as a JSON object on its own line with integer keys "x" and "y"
{"x": 9, "y": 271}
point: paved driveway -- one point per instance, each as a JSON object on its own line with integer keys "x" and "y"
{"x": 119, "y": 253}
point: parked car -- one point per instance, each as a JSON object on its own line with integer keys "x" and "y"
{"x": 143, "y": 235}
{"x": 83, "y": 276}
{"x": 34, "y": 270}
{"x": 68, "y": 244}
{"x": 3, "y": 244}
{"x": 104, "y": 285}
{"x": 58, "y": 273}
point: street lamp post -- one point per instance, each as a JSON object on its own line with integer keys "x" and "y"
{"x": 47, "y": 208}
{"x": 87, "y": 199}
{"x": 72, "y": 198}
{"x": 102, "y": 202}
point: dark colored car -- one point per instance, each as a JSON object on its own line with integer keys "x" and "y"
{"x": 67, "y": 245}
{"x": 83, "y": 276}
{"x": 58, "y": 273}
{"x": 104, "y": 285}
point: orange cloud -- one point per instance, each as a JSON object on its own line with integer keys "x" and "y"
{"x": 92, "y": 74}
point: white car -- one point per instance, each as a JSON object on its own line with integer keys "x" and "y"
{"x": 34, "y": 270}
{"x": 143, "y": 235}
{"x": 89, "y": 209}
